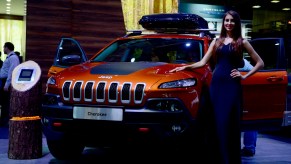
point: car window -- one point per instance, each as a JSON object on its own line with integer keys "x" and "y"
{"x": 152, "y": 50}
{"x": 269, "y": 51}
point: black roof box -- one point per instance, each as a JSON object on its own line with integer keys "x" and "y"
{"x": 173, "y": 21}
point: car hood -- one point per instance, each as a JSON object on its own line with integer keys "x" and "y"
{"x": 147, "y": 72}
{"x": 124, "y": 68}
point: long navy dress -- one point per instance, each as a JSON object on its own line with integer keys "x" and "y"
{"x": 225, "y": 96}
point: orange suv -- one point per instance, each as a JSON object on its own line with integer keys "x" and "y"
{"x": 125, "y": 91}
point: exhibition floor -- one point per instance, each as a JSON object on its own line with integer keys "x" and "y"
{"x": 272, "y": 147}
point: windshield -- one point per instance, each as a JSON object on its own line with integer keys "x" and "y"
{"x": 153, "y": 50}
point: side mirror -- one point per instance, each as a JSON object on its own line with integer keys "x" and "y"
{"x": 70, "y": 60}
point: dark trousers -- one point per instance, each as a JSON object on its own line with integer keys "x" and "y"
{"x": 4, "y": 102}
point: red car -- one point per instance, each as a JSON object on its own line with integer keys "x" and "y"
{"x": 126, "y": 91}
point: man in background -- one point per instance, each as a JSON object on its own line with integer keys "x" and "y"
{"x": 1, "y": 62}
{"x": 11, "y": 61}
{"x": 249, "y": 137}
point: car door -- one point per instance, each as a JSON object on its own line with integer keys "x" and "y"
{"x": 264, "y": 93}
{"x": 69, "y": 53}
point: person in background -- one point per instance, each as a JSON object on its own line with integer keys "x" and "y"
{"x": 225, "y": 88}
{"x": 250, "y": 143}
{"x": 11, "y": 61}
{"x": 1, "y": 62}
{"x": 249, "y": 137}
{"x": 20, "y": 57}
{"x": 247, "y": 66}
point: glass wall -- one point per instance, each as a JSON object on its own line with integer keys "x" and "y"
{"x": 12, "y": 31}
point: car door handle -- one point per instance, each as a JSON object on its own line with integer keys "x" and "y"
{"x": 274, "y": 79}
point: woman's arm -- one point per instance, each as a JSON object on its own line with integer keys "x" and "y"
{"x": 254, "y": 55}
{"x": 200, "y": 63}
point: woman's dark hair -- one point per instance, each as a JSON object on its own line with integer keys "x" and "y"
{"x": 237, "y": 26}
{"x": 236, "y": 35}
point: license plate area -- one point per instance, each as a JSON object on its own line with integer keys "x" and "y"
{"x": 96, "y": 113}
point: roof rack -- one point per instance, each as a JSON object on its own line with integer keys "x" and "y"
{"x": 175, "y": 23}
{"x": 133, "y": 33}
{"x": 200, "y": 32}
{"x": 173, "y": 20}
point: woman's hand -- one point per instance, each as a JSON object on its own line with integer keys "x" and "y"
{"x": 235, "y": 73}
{"x": 178, "y": 69}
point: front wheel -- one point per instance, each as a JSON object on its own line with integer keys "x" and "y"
{"x": 65, "y": 149}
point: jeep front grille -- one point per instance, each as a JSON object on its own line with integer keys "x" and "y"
{"x": 89, "y": 91}
{"x": 77, "y": 91}
{"x": 125, "y": 93}
{"x": 138, "y": 94}
{"x": 66, "y": 90}
{"x": 112, "y": 96}
{"x": 115, "y": 92}
{"x": 100, "y": 92}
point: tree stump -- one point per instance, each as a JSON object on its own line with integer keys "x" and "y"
{"x": 25, "y": 138}
{"x": 26, "y": 103}
{"x": 25, "y": 134}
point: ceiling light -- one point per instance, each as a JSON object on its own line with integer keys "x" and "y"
{"x": 286, "y": 9}
{"x": 275, "y": 1}
{"x": 256, "y": 6}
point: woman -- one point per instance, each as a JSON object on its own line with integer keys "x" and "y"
{"x": 225, "y": 88}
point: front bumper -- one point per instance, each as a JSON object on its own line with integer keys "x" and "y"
{"x": 58, "y": 122}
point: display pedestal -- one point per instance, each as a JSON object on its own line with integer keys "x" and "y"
{"x": 25, "y": 134}
{"x": 25, "y": 138}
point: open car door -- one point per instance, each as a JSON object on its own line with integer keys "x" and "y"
{"x": 264, "y": 93}
{"x": 69, "y": 53}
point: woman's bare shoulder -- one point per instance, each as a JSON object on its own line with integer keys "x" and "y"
{"x": 245, "y": 41}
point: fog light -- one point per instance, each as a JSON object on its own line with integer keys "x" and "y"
{"x": 174, "y": 107}
{"x": 50, "y": 100}
{"x": 165, "y": 105}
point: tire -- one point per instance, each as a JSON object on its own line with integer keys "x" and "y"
{"x": 65, "y": 149}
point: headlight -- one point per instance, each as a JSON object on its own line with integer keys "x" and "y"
{"x": 179, "y": 83}
{"x": 51, "y": 80}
